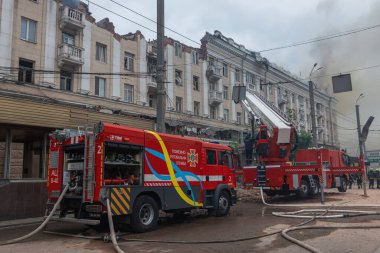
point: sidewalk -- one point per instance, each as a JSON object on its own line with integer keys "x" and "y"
{"x": 21, "y": 222}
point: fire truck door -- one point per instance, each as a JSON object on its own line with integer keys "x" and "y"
{"x": 212, "y": 169}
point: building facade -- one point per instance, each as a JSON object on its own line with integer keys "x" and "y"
{"x": 60, "y": 68}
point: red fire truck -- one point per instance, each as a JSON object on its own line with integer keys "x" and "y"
{"x": 273, "y": 170}
{"x": 140, "y": 172}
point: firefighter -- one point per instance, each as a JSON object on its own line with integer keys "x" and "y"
{"x": 359, "y": 181}
{"x": 350, "y": 181}
{"x": 371, "y": 177}
{"x": 377, "y": 175}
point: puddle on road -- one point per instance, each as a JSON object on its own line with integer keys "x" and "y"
{"x": 267, "y": 241}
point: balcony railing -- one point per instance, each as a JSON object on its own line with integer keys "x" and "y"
{"x": 215, "y": 97}
{"x": 70, "y": 55}
{"x": 282, "y": 99}
{"x": 214, "y": 72}
{"x": 71, "y": 19}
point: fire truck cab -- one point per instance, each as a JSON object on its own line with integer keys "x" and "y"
{"x": 140, "y": 172}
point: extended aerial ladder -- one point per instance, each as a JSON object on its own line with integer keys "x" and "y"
{"x": 273, "y": 142}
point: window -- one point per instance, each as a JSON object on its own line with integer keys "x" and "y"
{"x": 178, "y": 49}
{"x": 225, "y": 159}
{"x": 195, "y": 57}
{"x": 197, "y": 106}
{"x": 178, "y": 77}
{"x": 211, "y": 61}
{"x": 100, "y": 86}
{"x": 211, "y": 157}
{"x": 25, "y": 73}
{"x": 225, "y": 92}
{"x": 152, "y": 101}
{"x": 195, "y": 83}
{"x": 66, "y": 80}
{"x": 250, "y": 78}
{"x": 68, "y": 39}
{"x": 226, "y": 115}
{"x": 213, "y": 112}
{"x": 101, "y": 52}
{"x": 28, "y": 30}
{"x": 128, "y": 61}
{"x": 225, "y": 70}
{"x": 178, "y": 104}
{"x": 237, "y": 75}
{"x": 293, "y": 98}
{"x": 128, "y": 93}
{"x": 270, "y": 90}
{"x": 238, "y": 118}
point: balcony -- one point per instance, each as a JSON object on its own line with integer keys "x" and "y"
{"x": 152, "y": 85}
{"x": 215, "y": 97}
{"x": 71, "y": 19}
{"x": 282, "y": 99}
{"x": 319, "y": 113}
{"x": 70, "y": 55}
{"x": 214, "y": 72}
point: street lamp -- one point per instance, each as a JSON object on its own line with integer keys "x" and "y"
{"x": 361, "y": 144}
{"x": 312, "y": 108}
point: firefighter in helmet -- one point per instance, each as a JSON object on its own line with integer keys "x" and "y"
{"x": 371, "y": 178}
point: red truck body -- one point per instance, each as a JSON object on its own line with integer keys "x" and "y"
{"x": 311, "y": 167}
{"x": 178, "y": 173}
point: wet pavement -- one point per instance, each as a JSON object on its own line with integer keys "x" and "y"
{"x": 247, "y": 219}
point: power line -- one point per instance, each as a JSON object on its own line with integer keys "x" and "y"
{"x": 322, "y": 38}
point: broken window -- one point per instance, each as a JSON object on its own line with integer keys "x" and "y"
{"x": 25, "y": 73}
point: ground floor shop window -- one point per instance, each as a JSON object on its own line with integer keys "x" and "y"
{"x": 23, "y": 153}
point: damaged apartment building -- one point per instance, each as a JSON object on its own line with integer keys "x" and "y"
{"x": 60, "y": 68}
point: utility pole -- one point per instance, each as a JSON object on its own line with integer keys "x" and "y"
{"x": 161, "y": 91}
{"x": 361, "y": 146}
{"x": 312, "y": 114}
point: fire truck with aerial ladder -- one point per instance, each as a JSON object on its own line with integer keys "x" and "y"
{"x": 139, "y": 172}
{"x": 273, "y": 144}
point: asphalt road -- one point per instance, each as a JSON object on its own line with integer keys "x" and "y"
{"x": 247, "y": 219}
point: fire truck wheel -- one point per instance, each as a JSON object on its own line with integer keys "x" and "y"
{"x": 343, "y": 185}
{"x": 224, "y": 203}
{"x": 314, "y": 190}
{"x": 304, "y": 189}
{"x": 145, "y": 214}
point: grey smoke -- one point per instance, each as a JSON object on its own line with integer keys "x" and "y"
{"x": 351, "y": 52}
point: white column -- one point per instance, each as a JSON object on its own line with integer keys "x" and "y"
{"x": 50, "y": 40}
{"x": 233, "y": 105}
{"x": 6, "y": 29}
{"x": 221, "y": 108}
{"x": 170, "y": 78}
{"x": 188, "y": 83}
{"x": 143, "y": 68}
{"x": 205, "y": 89}
{"x": 116, "y": 52}
{"x": 86, "y": 67}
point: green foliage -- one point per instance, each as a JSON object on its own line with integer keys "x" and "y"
{"x": 292, "y": 114}
{"x": 304, "y": 140}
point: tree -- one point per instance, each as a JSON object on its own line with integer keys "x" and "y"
{"x": 304, "y": 139}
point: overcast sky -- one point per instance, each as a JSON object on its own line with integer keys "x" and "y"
{"x": 266, "y": 24}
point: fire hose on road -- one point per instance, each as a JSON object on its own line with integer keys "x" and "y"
{"x": 300, "y": 215}
{"x": 40, "y": 227}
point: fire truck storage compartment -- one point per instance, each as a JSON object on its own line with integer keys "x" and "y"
{"x": 123, "y": 163}
{"x": 73, "y": 164}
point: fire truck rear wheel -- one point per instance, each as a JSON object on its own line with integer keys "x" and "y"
{"x": 224, "y": 204}
{"x": 145, "y": 214}
{"x": 304, "y": 189}
{"x": 343, "y": 185}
